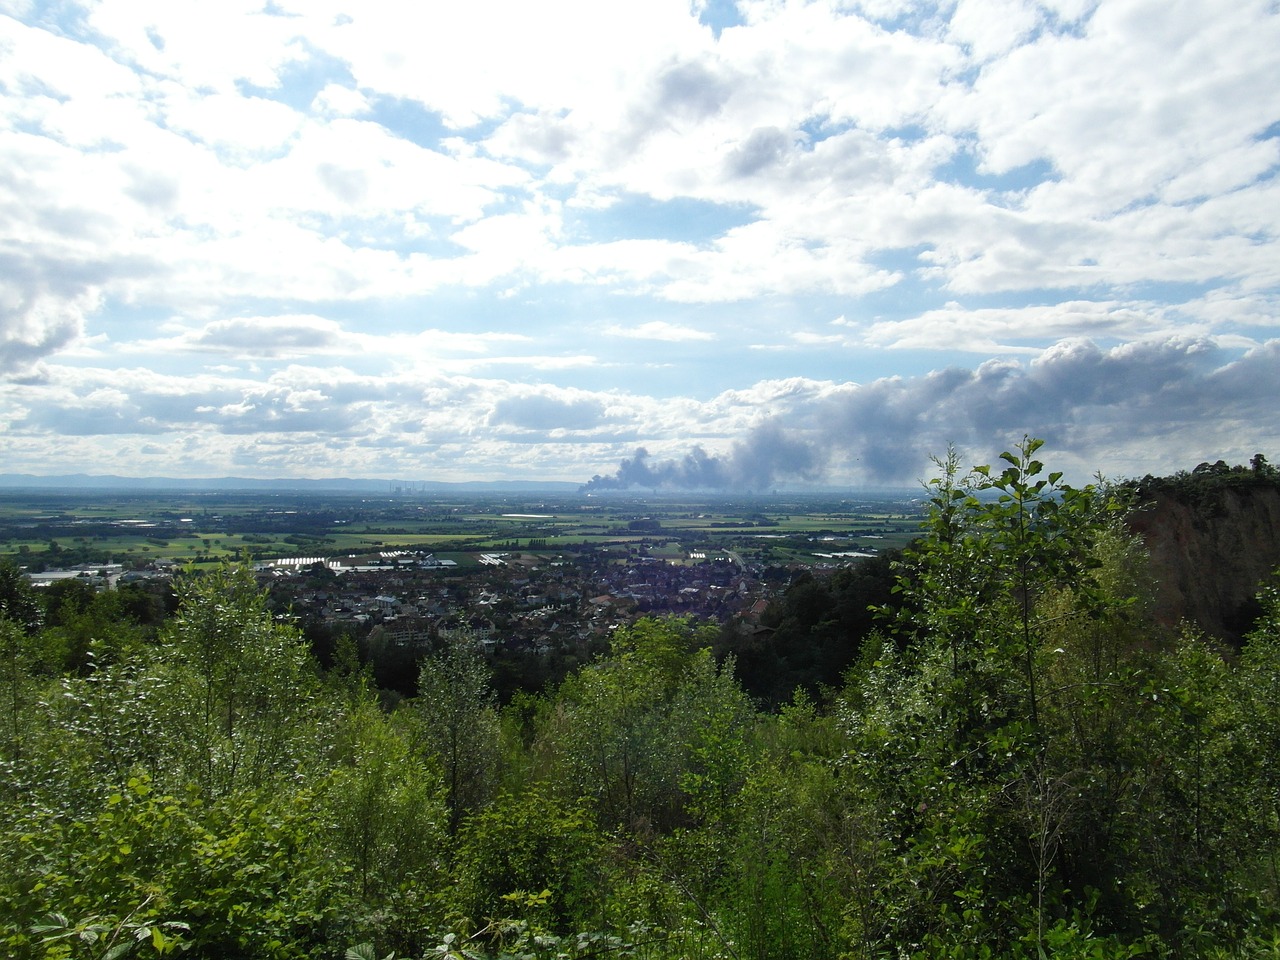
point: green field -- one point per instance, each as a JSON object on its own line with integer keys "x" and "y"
{"x": 47, "y": 530}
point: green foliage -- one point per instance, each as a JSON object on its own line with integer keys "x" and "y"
{"x": 106, "y": 938}
{"x": 526, "y": 843}
{"x": 1253, "y": 699}
{"x": 238, "y": 690}
{"x": 161, "y": 788}
{"x": 661, "y": 648}
{"x": 82, "y": 626}
{"x": 1208, "y": 484}
{"x": 65, "y": 599}
{"x": 1050, "y": 775}
{"x": 1020, "y": 765}
{"x": 389, "y": 828}
{"x": 458, "y": 724}
{"x": 520, "y": 940}
{"x": 18, "y": 603}
{"x": 94, "y": 731}
{"x": 711, "y": 724}
{"x": 653, "y": 734}
{"x": 816, "y": 630}
{"x": 981, "y": 740}
{"x": 15, "y": 685}
{"x": 996, "y": 544}
{"x": 240, "y": 877}
{"x": 796, "y": 825}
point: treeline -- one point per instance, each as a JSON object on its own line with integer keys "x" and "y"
{"x": 813, "y": 633}
{"x": 1018, "y": 763}
{"x": 1207, "y": 482}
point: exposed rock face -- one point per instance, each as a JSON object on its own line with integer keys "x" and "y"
{"x": 1210, "y": 554}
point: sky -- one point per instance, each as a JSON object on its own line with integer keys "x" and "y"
{"x": 686, "y": 243}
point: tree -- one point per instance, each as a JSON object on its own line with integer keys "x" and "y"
{"x": 800, "y": 877}
{"x": 458, "y": 724}
{"x": 1254, "y": 696}
{"x": 390, "y": 827}
{"x": 819, "y": 625}
{"x": 535, "y": 849}
{"x": 65, "y": 599}
{"x": 15, "y": 684}
{"x": 85, "y": 628}
{"x": 238, "y": 689}
{"x": 18, "y": 603}
{"x": 956, "y": 734}
{"x": 612, "y": 726}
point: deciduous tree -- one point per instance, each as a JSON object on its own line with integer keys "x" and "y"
{"x": 238, "y": 688}
{"x": 458, "y": 724}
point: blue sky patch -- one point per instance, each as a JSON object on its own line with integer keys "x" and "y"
{"x": 644, "y": 218}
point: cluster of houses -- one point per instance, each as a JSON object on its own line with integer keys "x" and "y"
{"x": 515, "y": 604}
{"x": 528, "y": 602}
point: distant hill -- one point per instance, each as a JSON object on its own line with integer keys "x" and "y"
{"x": 106, "y": 482}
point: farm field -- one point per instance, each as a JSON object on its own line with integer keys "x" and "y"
{"x": 43, "y": 530}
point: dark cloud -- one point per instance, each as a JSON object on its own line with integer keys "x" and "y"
{"x": 1075, "y": 395}
{"x": 764, "y": 147}
{"x": 684, "y": 93}
{"x": 1175, "y": 395}
{"x": 267, "y": 336}
{"x": 542, "y": 413}
{"x": 43, "y": 302}
{"x": 770, "y": 453}
{"x": 691, "y": 90}
{"x": 767, "y": 455}
{"x": 1235, "y": 386}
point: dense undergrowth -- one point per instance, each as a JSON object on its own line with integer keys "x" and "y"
{"x": 1020, "y": 764}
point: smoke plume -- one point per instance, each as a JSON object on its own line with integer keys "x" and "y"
{"x": 1148, "y": 406}
{"x": 765, "y": 457}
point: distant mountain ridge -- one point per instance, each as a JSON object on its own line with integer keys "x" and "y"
{"x": 108, "y": 482}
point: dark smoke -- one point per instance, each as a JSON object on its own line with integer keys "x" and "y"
{"x": 1142, "y": 404}
{"x": 765, "y": 457}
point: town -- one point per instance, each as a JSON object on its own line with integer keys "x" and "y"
{"x": 539, "y": 582}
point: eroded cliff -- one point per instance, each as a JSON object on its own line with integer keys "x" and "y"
{"x": 1211, "y": 548}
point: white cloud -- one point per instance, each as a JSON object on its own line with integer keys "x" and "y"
{"x": 294, "y": 336}
{"x": 1083, "y": 398}
{"x": 467, "y": 61}
{"x": 340, "y": 101}
{"x": 243, "y": 125}
{"x": 1016, "y": 330}
{"x": 201, "y": 45}
{"x": 452, "y": 196}
{"x": 991, "y": 28}
{"x": 660, "y": 330}
{"x": 1147, "y": 92}
{"x": 50, "y": 67}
